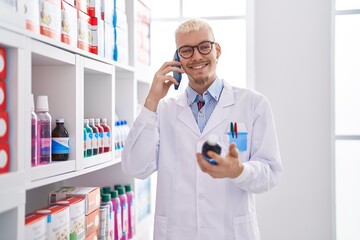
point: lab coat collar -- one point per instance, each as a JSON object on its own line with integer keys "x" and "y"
{"x": 220, "y": 113}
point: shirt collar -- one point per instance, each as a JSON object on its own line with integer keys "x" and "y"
{"x": 214, "y": 90}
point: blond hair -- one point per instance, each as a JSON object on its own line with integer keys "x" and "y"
{"x": 193, "y": 24}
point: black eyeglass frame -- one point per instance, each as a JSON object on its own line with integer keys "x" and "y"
{"x": 197, "y": 47}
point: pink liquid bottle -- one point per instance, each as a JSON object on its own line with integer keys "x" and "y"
{"x": 33, "y": 133}
{"x": 101, "y": 135}
{"x": 107, "y": 135}
{"x": 124, "y": 211}
{"x": 117, "y": 212}
{"x": 131, "y": 210}
{"x": 109, "y": 232}
{"x": 43, "y": 130}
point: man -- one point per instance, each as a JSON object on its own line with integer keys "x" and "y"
{"x": 196, "y": 199}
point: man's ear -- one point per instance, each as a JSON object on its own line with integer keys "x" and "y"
{"x": 218, "y": 50}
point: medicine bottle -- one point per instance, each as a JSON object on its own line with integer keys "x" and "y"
{"x": 60, "y": 142}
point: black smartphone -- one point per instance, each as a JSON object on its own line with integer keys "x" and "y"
{"x": 177, "y": 75}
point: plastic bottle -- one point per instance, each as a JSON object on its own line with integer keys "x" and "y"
{"x": 101, "y": 135}
{"x": 122, "y": 134}
{"x": 33, "y": 133}
{"x": 107, "y": 135}
{"x": 211, "y": 144}
{"x": 117, "y": 212}
{"x": 44, "y": 130}
{"x": 60, "y": 142}
{"x": 106, "y": 200}
{"x": 89, "y": 136}
{"x": 85, "y": 155}
{"x": 124, "y": 211}
{"x": 131, "y": 210}
{"x": 117, "y": 135}
{"x": 95, "y": 136}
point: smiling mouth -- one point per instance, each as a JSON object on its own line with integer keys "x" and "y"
{"x": 199, "y": 67}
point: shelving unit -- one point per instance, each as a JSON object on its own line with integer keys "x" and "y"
{"x": 78, "y": 85}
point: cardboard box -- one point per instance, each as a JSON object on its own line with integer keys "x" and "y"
{"x": 35, "y": 227}
{"x": 3, "y": 63}
{"x": 110, "y": 41}
{"x": 92, "y": 236}
{"x": 32, "y": 16}
{"x": 57, "y": 221}
{"x": 108, "y": 13}
{"x": 77, "y": 215}
{"x": 83, "y": 31}
{"x": 92, "y": 222}
{"x": 50, "y": 19}
{"x": 96, "y": 45}
{"x": 90, "y": 194}
{"x": 90, "y": 7}
{"x": 4, "y": 126}
{"x": 4, "y": 158}
{"x": 2, "y": 96}
{"x": 68, "y": 24}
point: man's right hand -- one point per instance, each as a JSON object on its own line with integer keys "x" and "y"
{"x": 161, "y": 83}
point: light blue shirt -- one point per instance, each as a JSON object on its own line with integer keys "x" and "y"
{"x": 211, "y": 97}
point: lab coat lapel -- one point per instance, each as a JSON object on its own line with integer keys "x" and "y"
{"x": 222, "y": 109}
{"x": 186, "y": 116}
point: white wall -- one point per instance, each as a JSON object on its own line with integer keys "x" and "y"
{"x": 293, "y": 69}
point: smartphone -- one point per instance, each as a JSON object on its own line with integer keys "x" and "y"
{"x": 177, "y": 75}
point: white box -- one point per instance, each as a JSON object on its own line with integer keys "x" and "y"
{"x": 35, "y": 227}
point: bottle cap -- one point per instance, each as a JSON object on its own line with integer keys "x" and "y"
{"x": 128, "y": 188}
{"x": 91, "y": 120}
{"x": 97, "y": 121}
{"x": 116, "y": 186}
{"x": 105, "y": 197}
{"x": 114, "y": 194}
{"x": 86, "y": 121}
{"x": 42, "y": 104}
{"x": 60, "y": 120}
{"x": 121, "y": 190}
{"x": 213, "y": 139}
{"x": 103, "y": 120}
{"x": 106, "y": 189}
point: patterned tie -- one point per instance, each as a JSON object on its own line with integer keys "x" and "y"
{"x": 200, "y": 103}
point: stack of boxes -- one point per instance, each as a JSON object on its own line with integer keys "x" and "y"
{"x": 91, "y": 196}
{"x": 4, "y": 117}
{"x": 83, "y": 24}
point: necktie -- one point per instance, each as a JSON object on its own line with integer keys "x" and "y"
{"x": 200, "y": 103}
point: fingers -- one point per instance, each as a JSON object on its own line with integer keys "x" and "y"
{"x": 233, "y": 152}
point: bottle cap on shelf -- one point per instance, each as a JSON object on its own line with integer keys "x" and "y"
{"x": 42, "y": 104}
{"x": 106, "y": 189}
{"x": 128, "y": 188}
{"x": 121, "y": 190}
{"x": 114, "y": 194}
{"x": 103, "y": 120}
{"x": 86, "y": 121}
{"x": 105, "y": 197}
{"x": 60, "y": 120}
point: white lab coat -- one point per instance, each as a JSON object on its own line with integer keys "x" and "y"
{"x": 190, "y": 204}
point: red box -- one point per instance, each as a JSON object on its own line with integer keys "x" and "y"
{"x": 2, "y": 63}
{"x": 4, "y": 158}
{"x": 4, "y": 126}
{"x": 2, "y": 96}
{"x": 93, "y": 41}
{"x": 92, "y": 236}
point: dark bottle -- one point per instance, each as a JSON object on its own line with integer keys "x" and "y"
{"x": 60, "y": 142}
{"x": 95, "y": 141}
{"x": 211, "y": 144}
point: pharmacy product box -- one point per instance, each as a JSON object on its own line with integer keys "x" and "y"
{"x": 50, "y": 18}
{"x": 77, "y": 215}
{"x": 121, "y": 19}
{"x": 91, "y": 195}
{"x": 83, "y": 31}
{"x": 4, "y": 158}
{"x": 92, "y": 236}
{"x": 92, "y": 222}
{"x": 3, "y": 63}
{"x": 57, "y": 221}
{"x": 4, "y": 126}
{"x": 121, "y": 37}
{"x": 2, "y": 96}
{"x": 110, "y": 41}
{"x": 35, "y": 227}
{"x": 32, "y": 16}
{"x": 120, "y": 5}
{"x": 90, "y": 7}
{"x": 71, "y": 2}
{"x": 68, "y": 24}
{"x": 108, "y": 13}
{"x": 96, "y": 45}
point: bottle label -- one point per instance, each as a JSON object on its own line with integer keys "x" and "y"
{"x": 107, "y": 139}
{"x": 45, "y": 144}
{"x": 60, "y": 145}
{"x": 101, "y": 140}
{"x": 125, "y": 218}
{"x": 95, "y": 140}
{"x": 89, "y": 141}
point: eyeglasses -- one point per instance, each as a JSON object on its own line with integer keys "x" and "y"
{"x": 204, "y": 48}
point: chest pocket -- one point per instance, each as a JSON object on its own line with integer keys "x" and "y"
{"x": 240, "y": 139}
